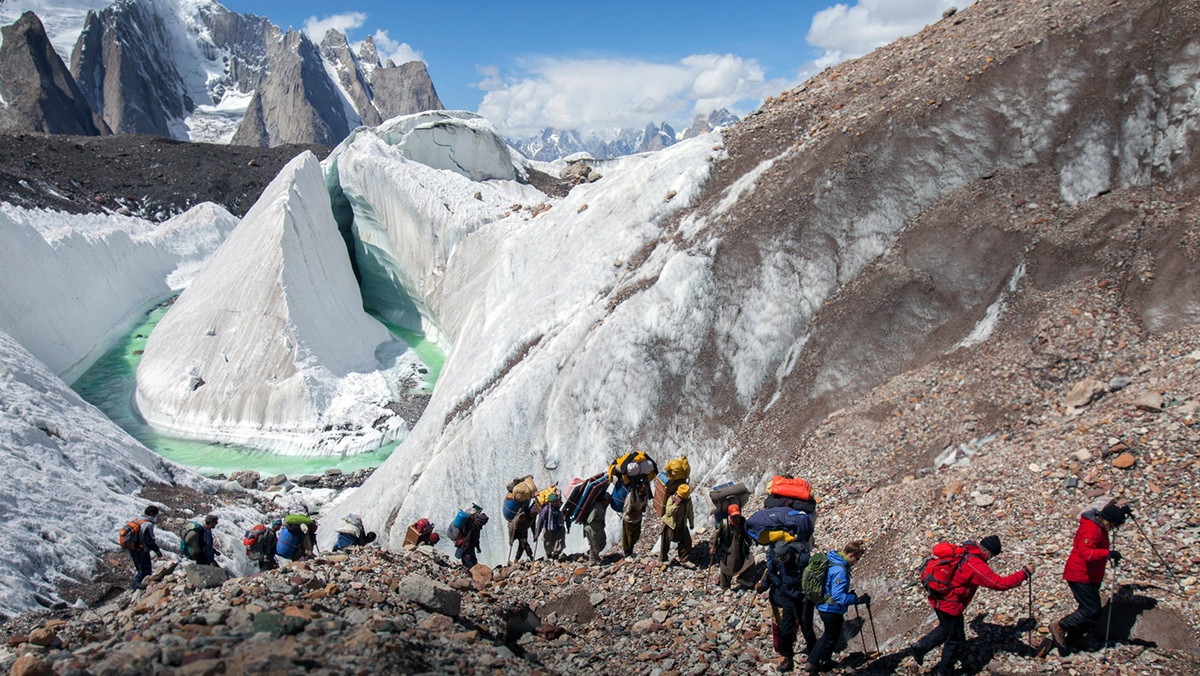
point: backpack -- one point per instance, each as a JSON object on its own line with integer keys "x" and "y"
{"x": 678, "y": 469}
{"x": 455, "y": 530}
{"x": 189, "y": 527}
{"x": 130, "y": 535}
{"x": 937, "y": 577}
{"x": 251, "y": 537}
{"x": 812, "y": 580}
{"x": 543, "y": 495}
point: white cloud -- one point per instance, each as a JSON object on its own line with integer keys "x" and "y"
{"x": 316, "y": 28}
{"x": 846, "y": 32}
{"x": 604, "y": 93}
{"x": 399, "y": 52}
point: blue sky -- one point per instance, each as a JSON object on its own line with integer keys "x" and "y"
{"x": 586, "y": 65}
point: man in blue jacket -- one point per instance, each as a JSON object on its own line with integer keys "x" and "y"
{"x": 838, "y": 598}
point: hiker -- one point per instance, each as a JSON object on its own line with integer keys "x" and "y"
{"x": 838, "y": 598}
{"x": 263, "y": 539}
{"x": 631, "y": 516}
{"x": 352, "y": 533}
{"x": 783, "y": 580}
{"x": 138, "y": 537}
{"x": 593, "y": 527}
{"x": 1084, "y": 572}
{"x": 970, "y": 572}
{"x": 552, "y": 526}
{"x": 678, "y": 519}
{"x": 197, "y": 541}
{"x": 467, "y": 545}
{"x": 518, "y": 530}
{"x": 298, "y": 535}
{"x": 733, "y": 550}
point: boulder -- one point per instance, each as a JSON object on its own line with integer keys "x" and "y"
{"x": 1084, "y": 392}
{"x": 204, "y": 577}
{"x": 30, "y": 665}
{"x": 1149, "y": 401}
{"x": 481, "y": 575}
{"x": 276, "y": 480}
{"x": 248, "y": 478}
{"x": 431, "y": 595}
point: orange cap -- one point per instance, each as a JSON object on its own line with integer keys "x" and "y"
{"x": 734, "y": 510}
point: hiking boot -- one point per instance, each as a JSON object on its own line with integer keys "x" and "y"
{"x": 918, "y": 655}
{"x": 1056, "y": 632}
{"x": 788, "y": 664}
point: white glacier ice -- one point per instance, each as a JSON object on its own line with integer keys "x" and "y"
{"x": 269, "y": 346}
{"x": 544, "y": 375}
{"x": 74, "y": 283}
{"x": 69, "y": 475}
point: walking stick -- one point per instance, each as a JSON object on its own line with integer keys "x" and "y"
{"x": 861, "y": 634}
{"x": 1154, "y": 549}
{"x": 1032, "y": 620}
{"x": 1112, "y": 600}
{"x": 874, "y": 636}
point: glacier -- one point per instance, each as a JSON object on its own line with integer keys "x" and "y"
{"x": 269, "y": 346}
{"x": 73, "y": 284}
{"x": 544, "y": 374}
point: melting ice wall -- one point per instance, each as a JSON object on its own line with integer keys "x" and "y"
{"x": 407, "y": 192}
{"x": 270, "y": 346}
{"x": 73, "y": 284}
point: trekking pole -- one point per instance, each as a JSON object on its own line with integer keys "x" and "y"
{"x": 1112, "y": 600}
{"x": 1137, "y": 522}
{"x": 510, "y": 548}
{"x": 861, "y": 634}
{"x": 874, "y": 636}
{"x": 1032, "y": 620}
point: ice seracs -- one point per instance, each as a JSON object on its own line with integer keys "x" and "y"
{"x": 408, "y": 192}
{"x": 74, "y": 283}
{"x": 270, "y": 346}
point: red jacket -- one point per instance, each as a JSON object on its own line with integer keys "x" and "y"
{"x": 970, "y": 576}
{"x": 1089, "y": 553}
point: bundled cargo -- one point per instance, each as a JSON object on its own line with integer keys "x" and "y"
{"x": 631, "y": 467}
{"x": 727, "y": 494}
{"x": 421, "y": 532}
{"x": 620, "y": 491}
{"x": 523, "y": 489}
{"x": 543, "y": 495}
{"x": 678, "y": 469}
{"x": 778, "y": 524}
{"x": 582, "y": 495}
{"x": 790, "y": 488}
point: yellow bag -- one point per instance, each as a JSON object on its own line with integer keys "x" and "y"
{"x": 679, "y": 469}
{"x": 770, "y": 536}
{"x": 543, "y": 495}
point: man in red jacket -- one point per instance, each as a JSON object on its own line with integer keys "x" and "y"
{"x": 1084, "y": 572}
{"x": 971, "y": 574}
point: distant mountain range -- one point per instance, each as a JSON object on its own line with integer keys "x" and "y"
{"x": 197, "y": 71}
{"x": 552, "y": 144}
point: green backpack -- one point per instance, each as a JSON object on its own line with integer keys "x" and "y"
{"x": 812, "y": 580}
{"x": 189, "y": 527}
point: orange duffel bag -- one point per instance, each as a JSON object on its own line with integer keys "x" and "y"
{"x": 790, "y": 488}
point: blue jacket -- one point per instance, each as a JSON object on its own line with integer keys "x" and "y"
{"x": 837, "y": 586}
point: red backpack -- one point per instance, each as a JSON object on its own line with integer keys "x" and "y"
{"x": 938, "y": 575}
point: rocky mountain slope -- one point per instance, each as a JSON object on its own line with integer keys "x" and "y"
{"x": 39, "y": 93}
{"x": 197, "y": 71}
{"x": 147, "y": 176}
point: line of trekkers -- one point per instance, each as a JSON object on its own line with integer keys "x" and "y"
{"x": 801, "y": 583}
{"x": 291, "y": 537}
